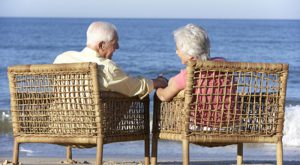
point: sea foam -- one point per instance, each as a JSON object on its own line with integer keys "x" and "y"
{"x": 28, "y": 152}
{"x": 292, "y": 126}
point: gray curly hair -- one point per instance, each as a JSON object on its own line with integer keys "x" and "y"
{"x": 193, "y": 40}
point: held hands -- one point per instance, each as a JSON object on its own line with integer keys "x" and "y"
{"x": 160, "y": 82}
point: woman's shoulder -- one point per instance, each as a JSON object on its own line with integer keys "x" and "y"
{"x": 217, "y": 59}
{"x": 180, "y": 75}
{"x": 183, "y": 71}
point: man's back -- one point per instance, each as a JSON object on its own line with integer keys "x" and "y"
{"x": 112, "y": 78}
{"x": 102, "y": 42}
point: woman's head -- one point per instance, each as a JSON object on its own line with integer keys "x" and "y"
{"x": 192, "y": 42}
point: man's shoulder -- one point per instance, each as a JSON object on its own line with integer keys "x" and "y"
{"x": 66, "y": 57}
{"x": 69, "y": 53}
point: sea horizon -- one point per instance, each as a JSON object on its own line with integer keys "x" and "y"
{"x": 153, "y": 18}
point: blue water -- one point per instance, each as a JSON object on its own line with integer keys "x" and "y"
{"x": 147, "y": 48}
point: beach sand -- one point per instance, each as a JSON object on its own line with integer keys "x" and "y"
{"x": 117, "y": 161}
{"x": 61, "y": 161}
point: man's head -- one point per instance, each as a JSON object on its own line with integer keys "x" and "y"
{"x": 103, "y": 38}
{"x": 192, "y": 41}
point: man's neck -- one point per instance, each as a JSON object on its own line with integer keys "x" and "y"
{"x": 96, "y": 51}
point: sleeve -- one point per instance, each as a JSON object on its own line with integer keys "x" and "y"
{"x": 128, "y": 85}
{"x": 66, "y": 57}
{"x": 180, "y": 79}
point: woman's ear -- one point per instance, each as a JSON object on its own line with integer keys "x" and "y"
{"x": 193, "y": 58}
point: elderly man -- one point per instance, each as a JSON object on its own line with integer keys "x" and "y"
{"x": 102, "y": 41}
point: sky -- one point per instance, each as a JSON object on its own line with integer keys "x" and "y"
{"x": 203, "y": 9}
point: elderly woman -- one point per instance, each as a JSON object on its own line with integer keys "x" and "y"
{"x": 192, "y": 43}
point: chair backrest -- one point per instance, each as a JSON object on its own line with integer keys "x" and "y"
{"x": 235, "y": 98}
{"x": 55, "y": 99}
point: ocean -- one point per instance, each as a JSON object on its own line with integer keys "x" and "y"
{"x": 147, "y": 48}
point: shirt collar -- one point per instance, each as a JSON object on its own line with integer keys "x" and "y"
{"x": 90, "y": 52}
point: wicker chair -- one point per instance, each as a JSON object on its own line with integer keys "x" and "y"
{"x": 224, "y": 103}
{"x": 62, "y": 104}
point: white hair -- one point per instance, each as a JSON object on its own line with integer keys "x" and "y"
{"x": 100, "y": 31}
{"x": 193, "y": 40}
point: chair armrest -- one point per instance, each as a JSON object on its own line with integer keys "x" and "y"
{"x": 168, "y": 115}
{"x": 180, "y": 95}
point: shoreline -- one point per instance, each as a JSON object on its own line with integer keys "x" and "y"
{"x": 119, "y": 161}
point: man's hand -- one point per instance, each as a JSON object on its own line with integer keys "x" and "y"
{"x": 160, "y": 82}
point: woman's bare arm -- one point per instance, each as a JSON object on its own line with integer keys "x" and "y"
{"x": 166, "y": 94}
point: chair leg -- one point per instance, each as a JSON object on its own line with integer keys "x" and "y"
{"x": 69, "y": 153}
{"x": 239, "y": 159}
{"x": 279, "y": 154}
{"x": 99, "y": 155}
{"x": 147, "y": 152}
{"x": 185, "y": 152}
{"x": 154, "y": 149}
{"x": 16, "y": 152}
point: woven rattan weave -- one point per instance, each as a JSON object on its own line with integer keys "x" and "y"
{"x": 224, "y": 103}
{"x": 62, "y": 104}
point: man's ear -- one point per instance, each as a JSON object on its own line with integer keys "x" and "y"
{"x": 101, "y": 45}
